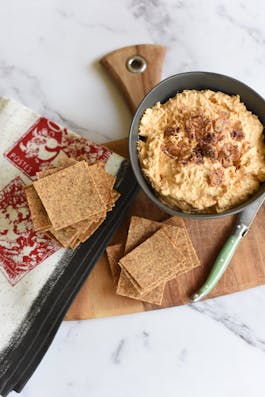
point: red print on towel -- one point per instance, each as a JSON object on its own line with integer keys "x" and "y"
{"x": 44, "y": 141}
{"x": 21, "y": 249}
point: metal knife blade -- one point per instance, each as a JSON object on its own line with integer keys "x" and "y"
{"x": 247, "y": 216}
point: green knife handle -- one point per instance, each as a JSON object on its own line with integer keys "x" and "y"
{"x": 222, "y": 261}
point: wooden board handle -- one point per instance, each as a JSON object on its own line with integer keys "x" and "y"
{"x": 135, "y": 69}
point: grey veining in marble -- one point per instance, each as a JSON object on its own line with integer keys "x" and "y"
{"x": 48, "y": 61}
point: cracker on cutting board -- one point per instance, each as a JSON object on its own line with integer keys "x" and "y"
{"x": 79, "y": 196}
{"x": 38, "y": 213}
{"x": 139, "y": 230}
{"x": 152, "y": 262}
{"x": 123, "y": 284}
{"x": 114, "y": 253}
{"x": 175, "y": 221}
{"x": 191, "y": 257}
{"x": 126, "y": 288}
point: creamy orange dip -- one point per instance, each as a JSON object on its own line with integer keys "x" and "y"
{"x": 202, "y": 151}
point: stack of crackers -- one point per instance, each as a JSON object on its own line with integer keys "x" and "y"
{"x": 70, "y": 201}
{"x": 153, "y": 254}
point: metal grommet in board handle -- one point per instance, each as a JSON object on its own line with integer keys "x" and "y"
{"x": 136, "y": 64}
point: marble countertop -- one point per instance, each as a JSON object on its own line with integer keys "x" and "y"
{"x": 48, "y": 61}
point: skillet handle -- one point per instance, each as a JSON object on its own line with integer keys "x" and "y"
{"x": 222, "y": 261}
{"x": 135, "y": 70}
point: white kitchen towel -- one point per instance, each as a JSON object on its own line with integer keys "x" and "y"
{"x": 28, "y": 143}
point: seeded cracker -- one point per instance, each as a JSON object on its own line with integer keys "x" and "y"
{"x": 73, "y": 235}
{"x": 111, "y": 180}
{"x": 114, "y": 253}
{"x": 139, "y": 230}
{"x": 66, "y": 236}
{"x": 38, "y": 213}
{"x": 191, "y": 258}
{"x": 91, "y": 229}
{"x": 41, "y": 221}
{"x": 79, "y": 197}
{"x": 102, "y": 182}
{"x": 51, "y": 169}
{"x": 126, "y": 288}
{"x": 47, "y": 171}
{"x": 152, "y": 262}
{"x": 82, "y": 226}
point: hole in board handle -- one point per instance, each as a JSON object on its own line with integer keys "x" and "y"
{"x": 136, "y": 64}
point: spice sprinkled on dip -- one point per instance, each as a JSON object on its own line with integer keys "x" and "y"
{"x": 202, "y": 151}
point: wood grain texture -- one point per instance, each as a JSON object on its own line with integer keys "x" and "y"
{"x": 135, "y": 86}
{"x": 97, "y": 298}
{"x": 247, "y": 269}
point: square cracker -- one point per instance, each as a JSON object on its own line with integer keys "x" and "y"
{"x": 175, "y": 221}
{"x": 81, "y": 226}
{"x": 66, "y": 162}
{"x": 51, "y": 169}
{"x": 111, "y": 180}
{"x": 75, "y": 243}
{"x": 38, "y": 213}
{"x": 91, "y": 229}
{"x": 191, "y": 257}
{"x": 123, "y": 284}
{"x": 104, "y": 182}
{"x": 70, "y": 195}
{"x": 155, "y": 260}
{"x": 142, "y": 228}
{"x": 139, "y": 230}
{"x": 51, "y": 236}
{"x": 126, "y": 288}
{"x": 65, "y": 236}
{"x": 114, "y": 197}
{"x": 41, "y": 221}
{"x": 114, "y": 253}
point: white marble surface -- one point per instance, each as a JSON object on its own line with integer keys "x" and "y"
{"x": 49, "y": 50}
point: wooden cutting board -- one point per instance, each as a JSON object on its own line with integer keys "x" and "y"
{"x": 97, "y": 297}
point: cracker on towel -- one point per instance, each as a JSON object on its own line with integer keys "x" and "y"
{"x": 38, "y": 213}
{"x": 79, "y": 196}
